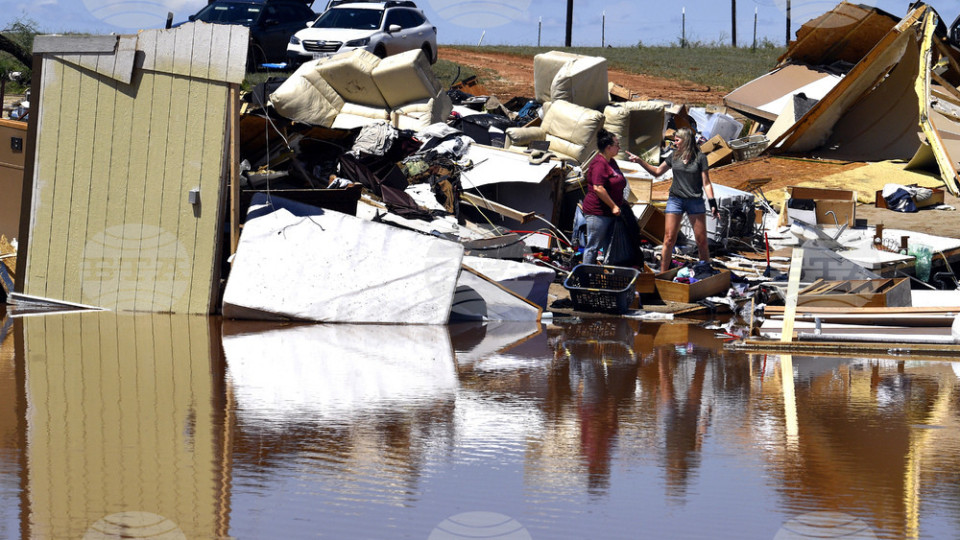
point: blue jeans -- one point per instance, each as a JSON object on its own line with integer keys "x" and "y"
{"x": 691, "y": 206}
{"x": 599, "y": 229}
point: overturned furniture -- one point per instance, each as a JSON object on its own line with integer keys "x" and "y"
{"x": 353, "y": 89}
{"x": 570, "y": 129}
{"x": 120, "y": 218}
{"x": 576, "y": 78}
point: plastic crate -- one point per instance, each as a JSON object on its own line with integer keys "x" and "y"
{"x": 748, "y": 147}
{"x": 606, "y": 289}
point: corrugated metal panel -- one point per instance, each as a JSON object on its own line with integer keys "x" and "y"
{"x": 110, "y": 222}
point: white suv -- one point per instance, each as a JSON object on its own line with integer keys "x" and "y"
{"x": 383, "y": 28}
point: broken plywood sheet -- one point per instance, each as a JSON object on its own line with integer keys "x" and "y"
{"x": 328, "y": 373}
{"x": 846, "y": 33}
{"x": 524, "y": 279}
{"x": 479, "y": 298}
{"x": 767, "y": 95}
{"x": 885, "y": 123}
{"x": 110, "y": 223}
{"x": 814, "y": 128}
{"x": 302, "y": 263}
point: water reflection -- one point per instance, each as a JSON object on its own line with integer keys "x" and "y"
{"x": 594, "y": 428}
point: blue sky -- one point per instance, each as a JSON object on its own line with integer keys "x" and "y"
{"x": 498, "y": 22}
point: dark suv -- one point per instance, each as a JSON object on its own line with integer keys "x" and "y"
{"x": 271, "y": 23}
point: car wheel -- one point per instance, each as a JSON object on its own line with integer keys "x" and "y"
{"x": 380, "y": 51}
{"x": 255, "y": 57}
{"x": 428, "y": 53}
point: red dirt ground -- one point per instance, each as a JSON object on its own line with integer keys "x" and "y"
{"x": 506, "y": 76}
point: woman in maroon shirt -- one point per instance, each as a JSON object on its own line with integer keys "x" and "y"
{"x": 605, "y": 187}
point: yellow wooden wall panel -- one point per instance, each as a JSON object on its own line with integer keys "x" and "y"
{"x": 84, "y": 189}
{"x": 113, "y": 227}
{"x": 178, "y": 175}
{"x": 211, "y": 184}
{"x": 41, "y": 211}
{"x": 63, "y": 182}
{"x": 121, "y": 419}
{"x": 109, "y": 122}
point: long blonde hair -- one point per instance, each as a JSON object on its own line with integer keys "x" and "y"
{"x": 691, "y": 149}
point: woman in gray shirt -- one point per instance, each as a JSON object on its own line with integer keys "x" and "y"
{"x": 691, "y": 179}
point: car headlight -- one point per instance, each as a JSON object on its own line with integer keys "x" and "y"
{"x": 358, "y": 42}
{"x": 294, "y": 40}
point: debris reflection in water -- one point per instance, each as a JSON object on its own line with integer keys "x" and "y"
{"x": 608, "y": 428}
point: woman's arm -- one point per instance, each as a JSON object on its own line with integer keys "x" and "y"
{"x": 655, "y": 171}
{"x": 708, "y": 189}
{"x": 605, "y": 198}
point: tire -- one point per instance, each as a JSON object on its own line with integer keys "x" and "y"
{"x": 380, "y": 51}
{"x": 429, "y": 53}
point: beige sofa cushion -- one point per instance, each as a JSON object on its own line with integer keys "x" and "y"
{"x": 306, "y": 97}
{"x": 582, "y": 81}
{"x": 545, "y": 68}
{"x": 420, "y": 114}
{"x": 572, "y": 129}
{"x": 639, "y": 125}
{"x": 351, "y": 75}
{"x": 354, "y": 115}
{"x": 406, "y": 77}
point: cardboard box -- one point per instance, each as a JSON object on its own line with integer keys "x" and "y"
{"x": 842, "y": 202}
{"x": 671, "y": 291}
{"x": 935, "y": 199}
{"x": 717, "y": 150}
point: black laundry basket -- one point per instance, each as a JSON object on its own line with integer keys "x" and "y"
{"x": 605, "y": 289}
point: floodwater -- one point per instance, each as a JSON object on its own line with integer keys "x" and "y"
{"x": 188, "y": 427}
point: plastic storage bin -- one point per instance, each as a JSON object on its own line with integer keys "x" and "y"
{"x": 748, "y": 147}
{"x": 606, "y": 289}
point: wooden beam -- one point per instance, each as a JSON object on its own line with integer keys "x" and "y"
{"x": 29, "y": 169}
{"x": 75, "y": 44}
{"x": 234, "y": 172}
{"x": 506, "y": 211}
{"x": 793, "y": 287}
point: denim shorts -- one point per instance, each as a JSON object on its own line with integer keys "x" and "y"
{"x": 690, "y": 206}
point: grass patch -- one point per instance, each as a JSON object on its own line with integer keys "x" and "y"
{"x": 719, "y": 67}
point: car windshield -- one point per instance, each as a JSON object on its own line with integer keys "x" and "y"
{"x": 355, "y": 18}
{"x": 229, "y": 13}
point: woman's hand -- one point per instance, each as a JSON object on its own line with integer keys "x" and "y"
{"x": 615, "y": 210}
{"x": 633, "y": 158}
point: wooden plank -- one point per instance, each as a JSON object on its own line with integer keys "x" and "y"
{"x": 218, "y": 55}
{"x": 74, "y": 44}
{"x": 27, "y": 197}
{"x": 200, "y": 51}
{"x": 142, "y": 233}
{"x": 481, "y": 202}
{"x": 63, "y": 182}
{"x": 183, "y": 50}
{"x": 237, "y": 53}
{"x": 97, "y": 209}
{"x": 127, "y": 139}
{"x": 793, "y": 284}
{"x": 892, "y": 349}
{"x": 83, "y": 188}
{"x": 234, "y": 158}
{"x": 213, "y": 193}
{"x": 171, "y": 272}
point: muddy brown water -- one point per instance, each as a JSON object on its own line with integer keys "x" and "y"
{"x": 155, "y": 425}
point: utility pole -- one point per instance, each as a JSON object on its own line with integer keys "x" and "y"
{"x": 569, "y": 23}
{"x": 733, "y": 20}
{"x": 788, "y": 23}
